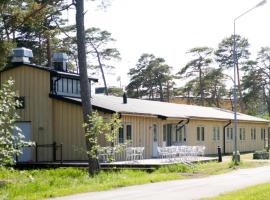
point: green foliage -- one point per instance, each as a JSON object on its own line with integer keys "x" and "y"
{"x": 224, "y": 53}
{"x": 152, "y": 77}
{"x": 97, "y": 127}
{"x": 11, "y": 139}
{"x": 258, "y": 192}
{"x": 115, "y": 91}
{"x": 261, "y": 155}
{"x": 198, "y": 67}
{"x": 177, "y": 168}
{"x": 39, "y": 184}
{"x": 5, "y": 49}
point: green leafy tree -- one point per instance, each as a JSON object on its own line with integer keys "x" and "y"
{"x": 11, "y": 138}
{"x": 197, "y": 67}
{"x": 224, "y": 57}
{"x": 99, "y": 127}
{"x": 152, "y": 77}
{"x": 256, "y": 82}
{"x": 215, "y": 87}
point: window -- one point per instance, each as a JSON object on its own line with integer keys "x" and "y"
{"x": 121, "y": 135}
{"x": 21, "y": 101}
{"x": 262, "y": 133}
{"x": 129, "y": 132}
{"x": 180, "y": 134}
{"x": 155, "y": 134}
{"x": 253, "y": 133}
{"x": 242, "y": 133}
{"x": 216, "y": 133}
{"x": 229, "y": 133}
{"x": 164, "y": 133}
{"x": 200, "y": 133}
{"x": 125, "y": 132}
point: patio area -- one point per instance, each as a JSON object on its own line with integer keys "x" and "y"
{"x": 160, "y": 162}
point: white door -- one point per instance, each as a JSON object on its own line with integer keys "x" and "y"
{"x": 155, "y": 141}
{"x": 26, "y": 155}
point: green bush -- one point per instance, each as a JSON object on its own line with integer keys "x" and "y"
{"x": 261, "y": 155}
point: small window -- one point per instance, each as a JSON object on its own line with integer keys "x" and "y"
{"x": 216, "y": 133}
{"x": 164, "y": 133}
{"x": 21, "y": 101}
{"x": 242, "y": 133}
{"x": 155, "y": 134}
{"x": 229, "y": 133}
{"x": 200, "y": 133}
{"x": 253, "y": 133}
{"x": 262, "y": 133}
{"x": 121, "y": 135}
{"x": 129, "y": 132}
{"x": 180, "y": 134}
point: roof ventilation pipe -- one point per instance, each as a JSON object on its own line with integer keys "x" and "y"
{"x": 125, "y": 98}
{"x": 21, "y": 55}
{"x": 60, "y": 61}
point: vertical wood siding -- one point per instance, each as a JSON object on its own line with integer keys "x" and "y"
{"x": 34, "y": 85}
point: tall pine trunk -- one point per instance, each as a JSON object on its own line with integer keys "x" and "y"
{"x": 201, "y": 87}
{"x": 84, "y": 82}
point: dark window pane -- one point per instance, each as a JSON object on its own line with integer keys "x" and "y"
{"x": 129, "y": 132}
{"x": 121, "y": 135}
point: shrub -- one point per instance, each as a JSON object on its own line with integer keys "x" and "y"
{"x": 261, "y": 155}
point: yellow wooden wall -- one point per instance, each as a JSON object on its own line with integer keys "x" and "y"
{"x": 59, "y": 121}
{"x": 68, "y": 129}
{"x": 211, "y": 145}
{"x": 34, "y": 85}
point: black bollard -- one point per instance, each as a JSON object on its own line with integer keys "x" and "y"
{"x": 219, "y": 154}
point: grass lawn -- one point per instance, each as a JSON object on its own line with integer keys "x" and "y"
{"x": 37, "y": 184}
{"x": 258, "y": 192}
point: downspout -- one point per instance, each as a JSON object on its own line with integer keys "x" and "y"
{"x": 224, "y": 136}
{"x": 186, "y": 122}
{"x": 183, "y": 124}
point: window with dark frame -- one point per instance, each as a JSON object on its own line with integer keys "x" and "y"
{"x": 121, "y": 135}
{"x": 129, "y": 131}
{"x": 200, "y": 133}
{"x": 21, "y": 102}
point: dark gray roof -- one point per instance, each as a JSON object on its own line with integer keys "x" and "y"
{"x": 163, "y": 109}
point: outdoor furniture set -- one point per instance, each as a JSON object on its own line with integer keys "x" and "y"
{"x": 184, "y": 153}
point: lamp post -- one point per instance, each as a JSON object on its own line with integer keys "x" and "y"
{"x": 235, "y": 156}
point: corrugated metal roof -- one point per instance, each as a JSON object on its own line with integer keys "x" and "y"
{"x": 170, "y": 110}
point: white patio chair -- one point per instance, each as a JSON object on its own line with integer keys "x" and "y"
{"x": 130, "y": 153}
{"x": 139, "y": 152}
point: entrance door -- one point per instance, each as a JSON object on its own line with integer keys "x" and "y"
{"x": 155, "y": 141}
{"x": 26, "y": 155}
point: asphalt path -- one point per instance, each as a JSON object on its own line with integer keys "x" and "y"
{"x": 182, "y": 189}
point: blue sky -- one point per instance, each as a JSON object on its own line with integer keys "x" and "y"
{"x": 169, "y": 28}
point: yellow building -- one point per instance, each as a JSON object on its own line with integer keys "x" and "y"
{"x": 52, "y": 112}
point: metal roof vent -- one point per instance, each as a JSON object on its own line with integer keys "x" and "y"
{"x": 21, "y": 55}
{"x": 60, "y": 61}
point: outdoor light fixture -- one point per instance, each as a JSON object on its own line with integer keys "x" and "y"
{"x": 236, "y": 158}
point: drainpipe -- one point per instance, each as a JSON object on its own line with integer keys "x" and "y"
{"x": 182, "y": 124}
{"x": 224, "y": 136}
{"x": 186, "y": 122}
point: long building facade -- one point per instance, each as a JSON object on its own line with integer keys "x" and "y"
{"x": 52, "y": 113}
